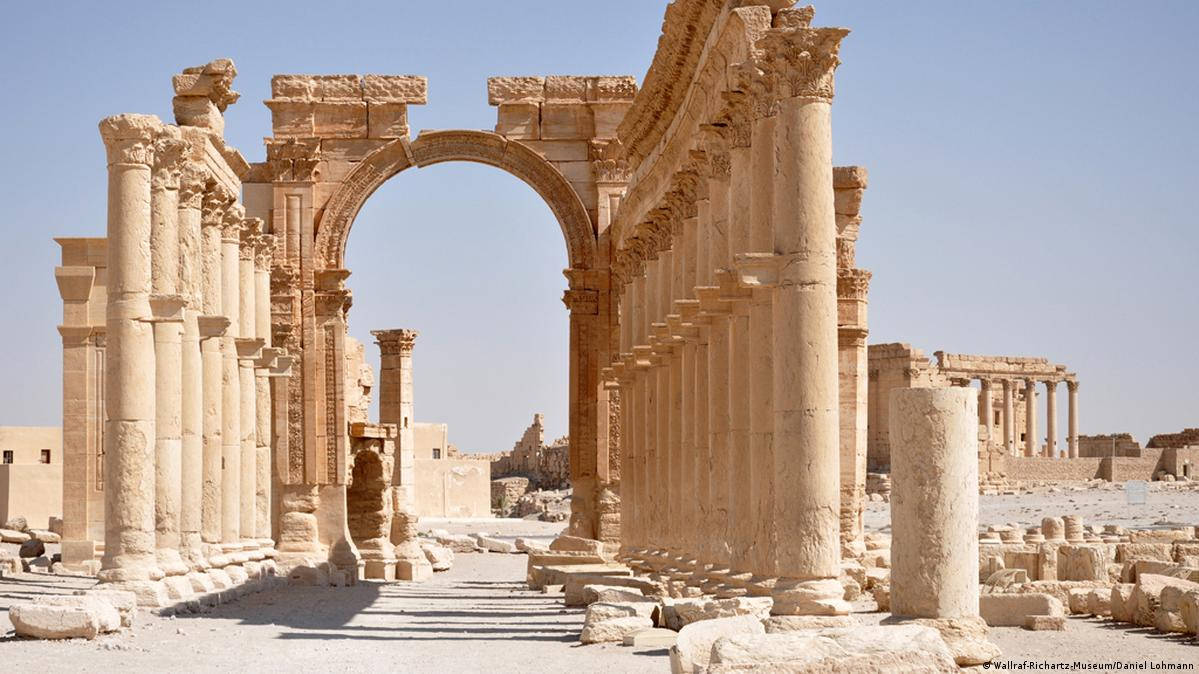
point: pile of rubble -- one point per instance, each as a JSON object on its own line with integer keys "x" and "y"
{"x": 1034, "y": 577}
{"x": 510, "y": 497}
{"x": 736, "y": 633}
{"x": 32, "y": 553}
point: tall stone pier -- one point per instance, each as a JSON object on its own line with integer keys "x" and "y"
{"x": 934, "y": 515}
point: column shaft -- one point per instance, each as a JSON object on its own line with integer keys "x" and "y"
{"x": 1030, "y": 417}
{"x": 1051, "y": 419}
{"x": 1072, "y": 422}
{"x": 1009, "y": 418}
{"x": 230, "y": 385}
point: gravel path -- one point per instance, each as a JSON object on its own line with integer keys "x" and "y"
{"x": 475, "y": 617}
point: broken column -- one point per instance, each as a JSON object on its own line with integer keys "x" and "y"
{"x": 934, "y": 514}
{"x": 396, "y": 407}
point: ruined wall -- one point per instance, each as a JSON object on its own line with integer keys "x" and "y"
{"x": 1031, "y": 468}
{"x": 1141, "y": 467}
{"x": 1115, "y": 444}
{"x": 546, "y": 466}
{"x": 453, "y": 488}
{"x": 891, "y": 366}
{"x": 429, "y": 437}
{"x": 1189, "y": 436}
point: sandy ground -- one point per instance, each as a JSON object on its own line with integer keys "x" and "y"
{"x": 477, "y": 617}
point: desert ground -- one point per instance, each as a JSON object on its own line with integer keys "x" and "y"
{"x": 479, "y": 617}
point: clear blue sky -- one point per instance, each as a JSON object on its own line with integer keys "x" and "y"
{"x": 1033, "y": 182}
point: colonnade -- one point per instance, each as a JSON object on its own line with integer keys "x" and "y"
{"x": 188, "y": 428}
{"x": 1010, "y": 386}
{"x": 729, "y": 345}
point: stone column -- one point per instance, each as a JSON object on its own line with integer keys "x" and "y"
{"x": 213, "y": 327}
{"x": 1072, "y": 410}
{"x": 263, "y": 252}
{"x": 1030, "y": 417}
{"x": 1051, "y": 419}
{"x": 191, "y": 369}
{"x": 396, "y": 407}
{"x": 806, "y": 430}
{"x": 1009, "y": 418}
{"x": 249, "y": 350}
{"x": 231, "y": 382}
{"x": 934, "y": 515}
{"x": 984, "y": 406}
{"x": 167, "y": 304}
{"x": 129, "y": 466}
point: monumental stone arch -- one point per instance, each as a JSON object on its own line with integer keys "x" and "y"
{"x": 717, "y": 321}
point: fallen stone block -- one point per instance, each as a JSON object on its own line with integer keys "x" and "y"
{"x": 614, "y": 630}
{"x": 1121, "y": 602}
{"x": 17, "y": 523}
{"x": 655, "y": 637}
{"x": 601, "y": 611}
{"x": 611, "y": 593}
{"x": 800, "y": 623}
{"x": 414, "y": 570}
{"x": 1099, "y": 603}
{"x": 1162, "y": 552}
{"x": 581, "y": 574}
{"x": 13, "y": 536}
{"x": 1006, "y": 578}
{"x": 31, "y": 549}
{"x": 440, "y": 557}
{"x": 124, "y": 602}
{"x": 900, "y": 648}
{"x": 678, "y": 613}
{"x": 44, "y": 536}
{"x": 526, "y": 545}
{"x": 1078, "y": 599}
{"x": 1188, "y": 610}
{"x": 693, "y": 648}
{"x": 1147, "y": 596}
{"x": 882, "y": 596}
{"x": 459, "y": 543}
{"x": 495, "y": 545}
{"x": 965, "y": 637}
{"x": 1081, "y": 562}
{"x": 1039, "y": 623}
{"x": 64, "y": 617}
{"x": 1010, "y": 610}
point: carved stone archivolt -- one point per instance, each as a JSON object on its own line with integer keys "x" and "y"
{"x": 436, "y": 147}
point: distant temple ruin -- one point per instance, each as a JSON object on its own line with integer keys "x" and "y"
{"x": 546, "y": 466}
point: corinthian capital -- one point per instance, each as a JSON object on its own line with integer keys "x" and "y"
{"x": 192, "y": 178}
{"x": 216, "y": 201}
{"x": 264, "y": 251}
{"x": 251, "y": 229}
{"x": 169, "y": 148}
{"x": 232, "y": 222}
{"x": 803, "y": 60}
{"x": 129, "y": 139}
{"x": 395, "y": 342}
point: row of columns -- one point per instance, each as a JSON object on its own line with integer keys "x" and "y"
{"x": 187, "y": 434}
{"x": 1010, "y": 386}
{"x": 729, "y": 343}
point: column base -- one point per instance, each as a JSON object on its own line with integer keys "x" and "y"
{"x": 413, "y": 570}
{"x": 75, "y": 553}
{"x": 381, "y": 569}
{"x": 966, "y": 637}
{"x": 149, "y": 593}
{"x": 179, "y": 588}
{"x": 821, "y": 596}
{"x": 171, "y": 562}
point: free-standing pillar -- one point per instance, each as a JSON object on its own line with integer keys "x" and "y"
{"x": 934, "y": 514}
{"x": 1051, "y": 419}
{"x": 806, "y": 429}
{"x": 166, "y": 304}
{"x": 129, "y": 457}
{"x": 1072, "y": 403}
{"x": 1030, "y": 417}
{"x": 396, "y": 407}
{"x": 984, "y": 406}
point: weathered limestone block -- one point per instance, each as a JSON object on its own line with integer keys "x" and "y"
{"x": 410, "y": 89}
{"x": 124, "y": 602}
{"x": 1188, "y": 610}
{"x": 1079, "y": 601}
{"x": 1081, "y": 562}
{"x": 1099, "y": 602}
{"x": 526, "y": 545}
{"x": 386, "y": 120}
{"x": 614, "y": 630}
{"x": 16, "y": 523}
{"x": 1127, "y": 552}
{"x": 567, "y": 121}
{"x": 44, "y": 536}
{"x": 601, "y": 611}
{"x": 343, "y": 119}
{"x": 439, "y": 556}
{"x": 414, "y": 570}
{"x": 1009, "y": 610}
{"x": 655, "y": 637}
{"x": 495, "y": 544}
{"x": 1146, "y": 596}
{"x": 882, "y": 596}
{"x": 611, "y": 594}
{"x": 858, "y": 649}
{"x": 1121, "y": 604}
{"x": 13, "y": 536}
{"x": 576, "y": 584}
{"x": 693, "y": 648}
{"x": 520, "y": 121}
{"x": 515, "y": 90}
{"x": 588, "y": 546}
{"x": 678, "y": 613}
{"x": 1053, "y": 528}
{"x": 1182, "y": 551}
{"x": 76, "y": 620}
{"x": 1044, "y": 623}
{"x": 1168, "y": 616}
{"x": 966, "y": 638}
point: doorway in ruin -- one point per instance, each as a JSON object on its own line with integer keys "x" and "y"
{"x": 369, "y": 498}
